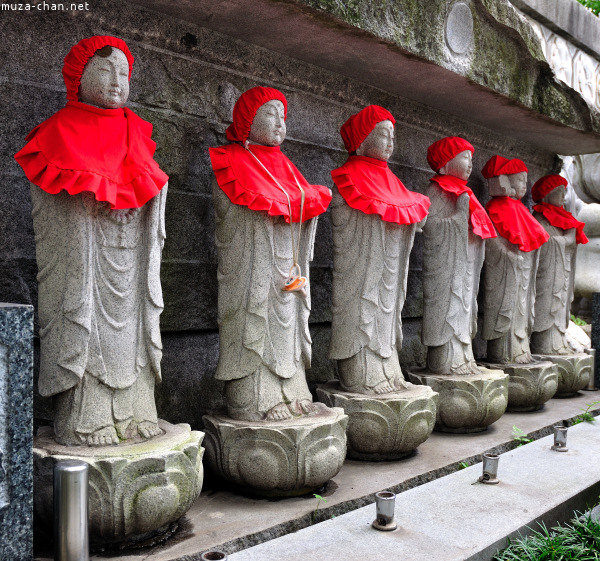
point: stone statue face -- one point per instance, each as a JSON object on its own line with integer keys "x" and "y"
{"x": 105, "y": 81}
{"x": 518, "y": 182}
{"x": 380, "y": 142}
{"x": 460, "y": 166}
{"x": 556, "y": 196}
{"x": 268, "y": 126}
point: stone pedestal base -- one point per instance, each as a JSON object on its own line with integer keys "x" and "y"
{"x": 278, "y": 458}
{"x": 574, "y": 372}
{"x": 466, "y": 403}
{"x": 529, "y": 385}
{"x": 135, "y": 490}
{"x": 386, "y": 426}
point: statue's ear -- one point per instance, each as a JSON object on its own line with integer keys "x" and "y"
{"x": 499, "y": 186}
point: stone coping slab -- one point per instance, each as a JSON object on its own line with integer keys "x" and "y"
{"x": 222, "y": 520}
{"x": 452, "y": 518}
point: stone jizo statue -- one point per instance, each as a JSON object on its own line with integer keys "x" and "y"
{"x": 98, "y": 214}
{"x": 556, "y": 270}
{"x": 374, "y": 221}
{"x": 266, "y": 215}
{"x": 511, "y": 263}
{"x": 453, "y": 253}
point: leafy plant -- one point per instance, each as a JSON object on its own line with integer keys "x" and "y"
{"x": 592, "y": 5}
{"x": 575, "y": 319}
{"x": 463, "y": 465}
{"x": 586, "y": 416}
{"x": 320, "y": 499}
{"x": 520, "y": 436}
{"x": 579, "y": 540}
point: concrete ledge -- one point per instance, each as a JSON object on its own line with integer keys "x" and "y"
{"x": 221, "y": 519}
{"x": 452, "y": 519}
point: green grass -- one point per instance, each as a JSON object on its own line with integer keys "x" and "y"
{"x": 592, "y": 5}
{"x": 579, "y": 540}
{"x": 574, "y": 319}
{"x": 586, "y": 416}
{"x": 520, "y": 436}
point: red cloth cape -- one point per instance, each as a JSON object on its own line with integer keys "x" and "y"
{"x": 360, "y": 125}
{"x": 446, "y": 149}
{"x": 245, "y": 109}
{"x": 367, "y": 184}
{"x": 515, "y": 223}
{"x": 480, "y": 222}
{"x": 545, "y": 185}
{"x": 108, "y": 152}
{"x": 561, "y": 218}
{"x": 246, "y": 183}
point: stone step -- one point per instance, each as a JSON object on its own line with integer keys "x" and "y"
{"x": 454, "y": 518}
{"x": 222, "y": 519}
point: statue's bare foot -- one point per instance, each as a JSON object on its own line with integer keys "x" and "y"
{"x": 400, "y": 384}
{"x": 280, "y": 412}
{"x": 384, "y": 387}
{"x": 525, "y": 358}
{"x": 106, "y": 436}
{"x": 466, "y": 369}
{"x": 148, "y": 429}
{"x": 307, "y": 407}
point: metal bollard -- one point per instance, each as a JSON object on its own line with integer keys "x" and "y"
{"x": 71, "y": 542}
{"x": 490, "y": 469}
{"x": 385, "y": 505}
{"x": 213, "y": 556}
{"x": 591, "y": 387}
{"x": 560, "y": 439}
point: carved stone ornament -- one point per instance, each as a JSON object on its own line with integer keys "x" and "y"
{"x": 574, "y": 372}
{"x": 278, "y": 458}
{"x": 466, "y": 403}
{"x": 135, "y": 490}
{"x": 386, "y": 426}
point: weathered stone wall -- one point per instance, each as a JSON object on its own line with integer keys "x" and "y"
{"x": 185, "y": 81}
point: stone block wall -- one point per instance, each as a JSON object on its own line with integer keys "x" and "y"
{"x": 185, "y": 81}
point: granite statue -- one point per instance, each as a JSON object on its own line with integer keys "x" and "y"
{"x": 272, "y": 440}
{"x": 511, "y": 262}
{"x": 471, "y": 397}
{"x": 374, "y": 221}
{"x": 555, "y": 286}
{"x": 266, "y": 215}
{"x": 453, "y": 253}
{"x": 556, "y": 270}
{"x": 98, "y": 213}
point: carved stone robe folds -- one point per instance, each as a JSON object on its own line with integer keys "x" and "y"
{"x": 554, "y": 286}
{"x": 452, "y": 260}
{"x": 263, "y": 330}
{"x": 370, "y": 272}
{"x": 509, "y": 298}
{"x": 99, "y": 304}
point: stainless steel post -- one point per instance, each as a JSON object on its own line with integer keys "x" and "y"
{"x": 490, "y": 469}
{"x": 385, "y": 505}
{"x": 71, "y": 542}
{"x": 592, "y": 383}
{"x": 560, "y": 438}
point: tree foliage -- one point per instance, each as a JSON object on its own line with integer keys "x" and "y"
{"x": 592, "y": 5}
